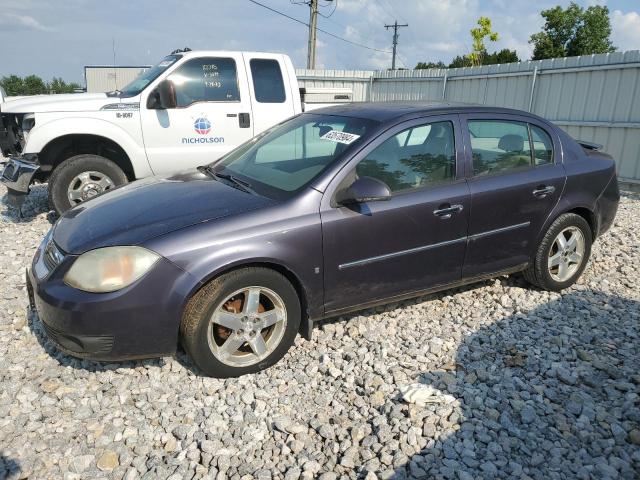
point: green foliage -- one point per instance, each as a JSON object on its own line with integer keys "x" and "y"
{"x": 461, "y": 61}
{"x": 34, "y": 85}
{"x": 478, "y": 34}
{"x": 427, "y": 65}
{"x": 503, "y": 56}
{"x": 573, "y": 31}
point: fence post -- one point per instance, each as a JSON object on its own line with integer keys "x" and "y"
{"x": 533, "y": 86}
{"x": 444, "y": 85}
{"x": 370, "y": 96}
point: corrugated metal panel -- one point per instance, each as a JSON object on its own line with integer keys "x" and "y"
{"x": 107, "y": 79}
{"x": 594, "y": 97}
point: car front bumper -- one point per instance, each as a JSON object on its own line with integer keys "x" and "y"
{"x": 17, "y": 176}
{"x": 139, "y": 321}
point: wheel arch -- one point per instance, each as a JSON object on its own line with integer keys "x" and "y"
{"x": 288, "y": 273}
{"x": 65, "y": 146}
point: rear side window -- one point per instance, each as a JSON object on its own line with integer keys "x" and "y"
{"x": 542, "y": 146}
{"x": 267, "y": 80}
{"x": 417, "y": 157}
{"x": 499, "y": 146}
{"x": 206, "y": 79}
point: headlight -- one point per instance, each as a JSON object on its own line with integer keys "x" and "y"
{"x": 109, "y": 269}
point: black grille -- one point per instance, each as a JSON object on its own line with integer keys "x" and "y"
{"x": 80, "y": 344}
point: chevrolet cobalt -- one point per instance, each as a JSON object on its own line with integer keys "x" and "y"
{"x": 326, "y": 213}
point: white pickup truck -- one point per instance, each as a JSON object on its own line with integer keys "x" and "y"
{"x": 188, "y": 110}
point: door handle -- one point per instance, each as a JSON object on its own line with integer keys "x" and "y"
{"x": 446, "y": 211}
{"x": 542, "y": 191}
{"x": 244, "y": 120}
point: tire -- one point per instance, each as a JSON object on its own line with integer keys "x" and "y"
{"x": 69, "y": 170}
{"x": 541, "y": 273}
{"x": 204, "y": 340}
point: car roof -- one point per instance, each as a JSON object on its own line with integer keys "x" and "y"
{"x": 386, "y": 111}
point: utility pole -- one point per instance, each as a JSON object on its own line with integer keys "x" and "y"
{"x": 395, "y": 27}
{"x": 313, "y": 21}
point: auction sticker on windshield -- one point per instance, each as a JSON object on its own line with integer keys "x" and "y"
{"x": 340, "y": 137}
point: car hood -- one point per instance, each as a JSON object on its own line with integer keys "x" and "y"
{"x": 66, "y": 102}
{"x": 148, "y": 208}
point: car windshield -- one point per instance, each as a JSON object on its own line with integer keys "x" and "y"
{"x": 290, "y": 155}
{"x": 145, "y": 78}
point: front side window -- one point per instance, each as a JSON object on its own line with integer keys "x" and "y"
{"x": 414, "y": 158}
{"x": 267, "y": 80}
{"x": 290, "y": 155}
{"x": 499, "y": 146}
{"x": 206, "y": 79}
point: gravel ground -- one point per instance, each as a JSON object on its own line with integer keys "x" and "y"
{"x": 527, "y": 384}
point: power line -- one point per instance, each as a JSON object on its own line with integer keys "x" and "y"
{"x": 319, "y": 29}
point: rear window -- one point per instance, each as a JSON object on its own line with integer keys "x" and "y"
{"x": 267, "y": 80}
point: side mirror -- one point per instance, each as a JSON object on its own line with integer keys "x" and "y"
{"x": 163, "y": 96}
{"x": 364, "y": 189}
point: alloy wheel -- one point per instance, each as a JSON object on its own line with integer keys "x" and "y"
{"x": 566, "y": 254}
{"x": 247, "y": 326}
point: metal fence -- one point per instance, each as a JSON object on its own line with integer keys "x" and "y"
{"x": 594, "y": 98}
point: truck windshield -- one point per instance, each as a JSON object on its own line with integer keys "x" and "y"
{"x": 290, "y": 155}
{"x": 145, "y": 78}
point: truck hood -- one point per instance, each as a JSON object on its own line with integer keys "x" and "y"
{"x": 66, "y": 102}
{"x": 148, "y": 208}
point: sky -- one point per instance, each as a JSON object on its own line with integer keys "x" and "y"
{"x": 59, "y": 38}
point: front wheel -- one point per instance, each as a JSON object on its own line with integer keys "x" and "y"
{"x": 562, "y": 254}
{"x": 241, "y": 322}
{"x": 81, "y": 178}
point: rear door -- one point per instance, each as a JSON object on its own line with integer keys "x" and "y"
{"x": 516, "y": 177}
{"x": 212, "y": 116}
{"x": 270, "y": 87}
{"x": 411, "y": 242}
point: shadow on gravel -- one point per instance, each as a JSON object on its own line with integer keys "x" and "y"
{"x": 9, "y": 468}
{"x": 35, "y": 204}
{"x": 552, "y": 393}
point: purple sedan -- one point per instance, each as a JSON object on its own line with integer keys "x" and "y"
{"x": 329, "y": 212}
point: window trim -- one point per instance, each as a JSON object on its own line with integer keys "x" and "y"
{"x": 235, "y": 64}
{"x": 465, "y": 118}
{"x": 253, "y": 79}
{"x": 533, "y": 154}
{"x": 344, "y": 170}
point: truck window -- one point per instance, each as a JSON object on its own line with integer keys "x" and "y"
{"x": 206, "y": 79}
{"x": 267, "y": 80}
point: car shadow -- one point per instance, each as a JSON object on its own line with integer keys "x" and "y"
{"x": 548, "y": 393}
{"x": 9, "y": 468}
{"x": 35, "y": 204}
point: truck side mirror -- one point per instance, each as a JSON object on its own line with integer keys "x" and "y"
{"x": 364, "y": 189}
{"x": 163, "y": 96}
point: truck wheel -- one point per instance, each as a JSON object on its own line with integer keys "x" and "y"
{"x": 562, "y": 254}
{"x": 241, "y": 322}
{"x": 81, "y": 178}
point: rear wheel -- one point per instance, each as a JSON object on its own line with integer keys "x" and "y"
{"x": 562, "y": 254}
{"x": 81, "y": 178}
{"x": 241, "y": 322}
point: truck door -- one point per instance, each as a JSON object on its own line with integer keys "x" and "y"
{"x": 272, "y": 94}
{"x": 213, "y": 114}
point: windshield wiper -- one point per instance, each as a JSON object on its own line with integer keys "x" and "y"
{"x": 237, "y": 183}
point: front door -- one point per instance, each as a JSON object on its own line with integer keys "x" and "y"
{"x": 516, "y": 178}
{"x": 415, "y": 240}
{"x": 212, "y": 115}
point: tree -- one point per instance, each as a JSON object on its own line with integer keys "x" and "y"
{"x": 573, "y": 31}
{"x": 33, "y": 85}
{"x": 13, "y": 85}
{"x": 58, "y": 85}
{"x": 478, "y": 34}
{"x": 503, "y": 56}
{"x": 461, "y": 61}
{"x": 427, "y": 65}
